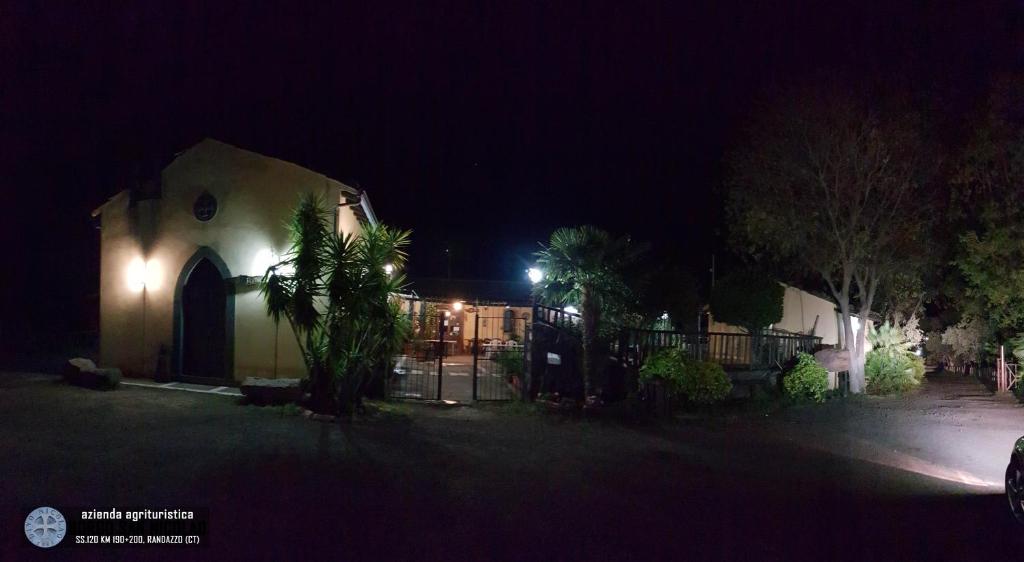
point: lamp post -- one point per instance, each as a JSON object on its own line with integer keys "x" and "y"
{"x": 535, "y": 276}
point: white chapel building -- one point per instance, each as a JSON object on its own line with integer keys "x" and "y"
{"x": 181, "y": 256}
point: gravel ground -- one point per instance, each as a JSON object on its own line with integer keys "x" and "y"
{"x": 860, "y": 479}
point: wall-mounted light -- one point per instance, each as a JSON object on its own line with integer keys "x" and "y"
{"x": 144, "y": 275}
{"x": 457, "y": 306}
{"x": 267, "y": 258}
{"x": 136, "y": 275}
{"x": 262, "y": 261}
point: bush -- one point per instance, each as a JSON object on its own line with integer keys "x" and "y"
{"x": 700, "y": 382}
{"x": 889, "y": 373}
{"x": 917, "y": 367}
{"x": 807, "y": 380}
{"x": 511, "y": 361}
{"x": 891, "y": 367}
{"x": 666, "y": 365}
{"x": 705, "y": 382}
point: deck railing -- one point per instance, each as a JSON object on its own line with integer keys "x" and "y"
{"x": 731, "y": 350}
{"x": 555, "y": 351}
{"x": 558, "y": 318}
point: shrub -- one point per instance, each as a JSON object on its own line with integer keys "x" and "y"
{"x": 665, "y": 365}
{"x": 891, "y": 367}
{"x": 705, "y": 382}
{"x": 511, "y": 361}
{"x": 889, "y": 373}
{"x": 917, "y": 367}
{"x": 700, "y": 382}
{"x": 807, "y": 380}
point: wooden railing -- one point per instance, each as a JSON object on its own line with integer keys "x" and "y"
{"x": 731, "y": 350}
{"x": 557, "y": 318}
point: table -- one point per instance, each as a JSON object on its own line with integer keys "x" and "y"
{"x": 449, "y": 345}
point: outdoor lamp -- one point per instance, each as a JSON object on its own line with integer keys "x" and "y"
{"x": 457, "y": 306}
{"x": 535, "y": 275}
{"x": 389, "y": 269}
{"x": 136, "y": 275}
{"x": 571, "y": 309}
{"x": 142, "y": 274}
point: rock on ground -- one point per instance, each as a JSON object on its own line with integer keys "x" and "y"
{"x": 83, "y": 372}
{"x": 271, "y": 391}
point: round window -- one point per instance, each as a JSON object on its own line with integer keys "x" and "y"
{"x": 205, "y": 206}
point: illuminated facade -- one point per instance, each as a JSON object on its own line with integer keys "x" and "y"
{"x": 181, "y": 257}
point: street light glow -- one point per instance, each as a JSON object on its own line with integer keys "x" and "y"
{"x": 457, "y": 306}
{"x": 535, "y": 275}
{"x": 389, "y": 268}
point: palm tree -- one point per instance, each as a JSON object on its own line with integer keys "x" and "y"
{"x": 337, "y": 294}
{"x": 587, "y": 265}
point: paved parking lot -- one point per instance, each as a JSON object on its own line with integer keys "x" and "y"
{"x": 862, "y": 479}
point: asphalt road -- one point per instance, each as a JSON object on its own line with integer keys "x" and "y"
{"x": 863, "y": 479}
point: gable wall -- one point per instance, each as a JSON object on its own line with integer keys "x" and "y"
{"x": 255, "y": 195}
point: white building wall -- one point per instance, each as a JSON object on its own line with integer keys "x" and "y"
{"x": 255, "y": 197}
{"x": 800, "y": 310}
{"x": 802, "y": 313}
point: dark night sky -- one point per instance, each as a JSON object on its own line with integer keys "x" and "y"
{"x": 482, "y": 128}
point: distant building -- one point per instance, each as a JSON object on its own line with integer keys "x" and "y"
{"x": 802, "y": 313}
{"x": 181, "y": 255}
{"x": 470, "y": 309}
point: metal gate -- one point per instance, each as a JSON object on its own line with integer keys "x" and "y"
{"x": 499, "y": 358}
{"x": 461, "y": 353}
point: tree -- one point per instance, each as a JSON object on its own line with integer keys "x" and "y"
{"x": 991, "y": 264}
{"x": 749, "y": 299}
{"x": 669, "y": 299}
{"x": 337, "y": 296}
{"x": 825, "y": 185}
{"x": 589, "y": 266}
{"x": 935, "y": 350}
{"x": 903, "y": 296}
{"x": 986, "y": 195}
{"x": 965, "y": 339}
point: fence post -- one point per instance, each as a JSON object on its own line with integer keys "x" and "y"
{"x": 440, "y": 353}
{"x": 524, "y": 383}
{"x": 1001, "y": 385}
{"x": 476, "y": 347}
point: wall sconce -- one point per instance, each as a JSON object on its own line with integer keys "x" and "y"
{"x": 142, "y": 275}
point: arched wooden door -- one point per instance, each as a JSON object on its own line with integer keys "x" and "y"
{"x": 204, "y": 322}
